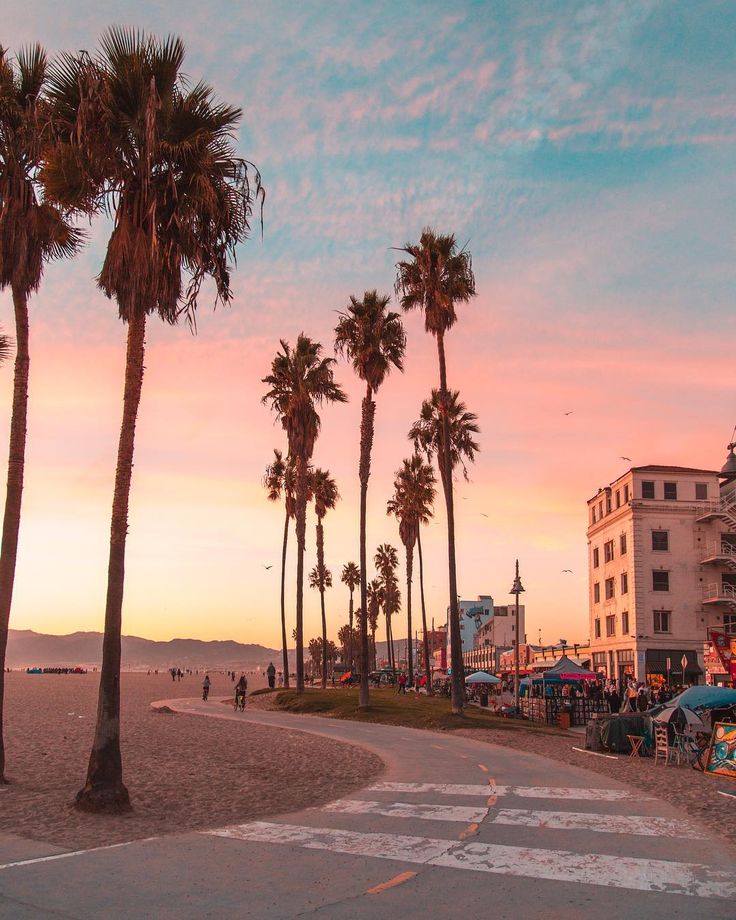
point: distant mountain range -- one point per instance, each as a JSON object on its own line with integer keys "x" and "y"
{"x": 30, "y": 649}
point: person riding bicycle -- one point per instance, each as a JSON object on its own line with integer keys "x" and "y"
{"x": 206, "y": 687}
{"x": 240, "y": 690}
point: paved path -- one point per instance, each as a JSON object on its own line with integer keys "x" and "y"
{"x": 454, "y": 828}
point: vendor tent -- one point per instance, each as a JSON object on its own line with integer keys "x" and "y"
{"x": 566, "y": 669}
{"x": 482, "y": 677}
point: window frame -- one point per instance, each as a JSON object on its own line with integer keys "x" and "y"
{"x": 625, "y": 623}
{"x": 624, "y": 582}
{"x": 610, "y": 588}
{"x": 597, "y": 628}
{"x": 610, "y": 625}
{"x": 657, "y": 616}
{"x": 622, "y": 545}
{"x": 660, "y": 573}
{"x": 701, "y": 486}
{"x": 645, "y": 483}
{"x": 671, "y": 487}
{"x": 596, "y": 557}
{"x": 608, "y": 551}
{"x": 627, "y": 493}
{"x": 661, "y": 549}
{"x": 596, "y": 592}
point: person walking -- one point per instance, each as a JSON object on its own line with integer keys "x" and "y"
{"x": 402, "y": 682}
{"x": 271, "y": 674}
{"x": 206, "y": 687}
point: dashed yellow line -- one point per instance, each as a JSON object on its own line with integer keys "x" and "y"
{"x": 492, "y": 799}
{"x": 483, "y": 767}
{"x": 391, "y": 883}
{"x": 470, "y": 831}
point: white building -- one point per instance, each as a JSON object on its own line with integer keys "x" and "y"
{"x": 662, "y": 569}
{"x": 496, "y": 636}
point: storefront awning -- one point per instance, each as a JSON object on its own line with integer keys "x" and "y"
{"x": 656, "y": 661}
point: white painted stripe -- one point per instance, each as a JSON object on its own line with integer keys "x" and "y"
{"x": 68, "y": 854}
{"x": 526, "y": 792}
{"x": 557, "y": 865}
{"x": 462, "y": 813}
{"x": 381, "y": 846}
{"x": 641, "y": 825}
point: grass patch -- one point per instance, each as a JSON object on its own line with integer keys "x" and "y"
{"x": 263, "y": 690}
{"x": 387, "y": 707}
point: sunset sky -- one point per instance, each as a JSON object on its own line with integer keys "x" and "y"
{"x": 584, "y": 150}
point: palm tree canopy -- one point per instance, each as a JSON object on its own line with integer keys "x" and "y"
{"x": 413, "y": 498}
{"x": 32, "y": 230}
{"x": 391, "y": 594}
{"x": 371, "y": 337}
{"x": 301, "y": 379}
{"x": 324, "y": 492}
{"x": 386, "y": 558}
{"x": 315, "y": 581}
{"x": 273, "y": 479}
{"x": 350, "y": 575}
{"x": 434, "y": 279}
{"x": 426, "y": 432}
{"x": 375, "y": 602}
{"x": 133, "y": 138}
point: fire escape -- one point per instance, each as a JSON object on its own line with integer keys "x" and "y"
{"x": 722, "y": 552}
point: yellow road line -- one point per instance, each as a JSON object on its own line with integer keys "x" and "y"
{"x": 483, "y": 767}
{"x": 391, "y": 883}
{"x": 470, "y": 831}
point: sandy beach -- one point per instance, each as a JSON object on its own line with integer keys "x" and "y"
{"x": 183, "y": 773}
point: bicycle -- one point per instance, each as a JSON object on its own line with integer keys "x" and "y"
{"x": 239, "y": 702}
{"x": 205, "y": 693}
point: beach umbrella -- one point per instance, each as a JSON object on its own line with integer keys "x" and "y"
{"x": 680, "y": 714}
{"x": 482, "y": 677}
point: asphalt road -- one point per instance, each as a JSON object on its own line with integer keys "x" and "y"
{"x": 454, "y": 828}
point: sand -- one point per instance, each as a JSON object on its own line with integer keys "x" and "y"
{"x": 182, "y": 772}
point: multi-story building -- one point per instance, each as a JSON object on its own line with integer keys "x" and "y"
{"x": 473, "y": 616}
{"x": 437, "y": 642}
{"x": 662, "y": 569}
{"x": 495, "y": 636}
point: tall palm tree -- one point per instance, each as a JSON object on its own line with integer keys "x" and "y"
{"x": 435, "y": 278}
{"x": 375, "y": 602}
{"x": 32, "y": 231}
{"x": 373, "y": 340}
{"x": 326, "y": 496}
{"x": 411, "y": 504}
{"x": 320, "y": 578}
{"x": 300, "y": 381}
{"x": 350, "y": 576}
{"x": 386, "y": 561}
{"x": 278, "y": 480}
{"x": 427, "y": 433}
{"x": 135, "y": 139}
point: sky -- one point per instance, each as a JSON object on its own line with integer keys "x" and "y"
{"x": 584, "y": 151}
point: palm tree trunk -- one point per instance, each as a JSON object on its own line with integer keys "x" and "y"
{"x": 425, "y": 640}
{"x": 350, "y": 637}
{"x": 368, "y": 413}
{"x": 104, "y": 789}
{"x": 456, "y": 653}
{"x": 321, "y": 570}
{"x": 409, "y": 647}
{"x": 373, "y": 648}
{"x": 283, "y": 601}
{"x": 14, "y": 491}
{"x": 302, "y": 487}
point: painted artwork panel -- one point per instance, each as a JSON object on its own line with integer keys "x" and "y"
{"x": 722, "y": 753}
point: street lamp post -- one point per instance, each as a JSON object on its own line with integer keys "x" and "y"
{"x": 516, "y": 589}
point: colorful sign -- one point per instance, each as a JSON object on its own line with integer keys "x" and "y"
{"x": 722, "y": 752}
{"x": 725, "y": 647}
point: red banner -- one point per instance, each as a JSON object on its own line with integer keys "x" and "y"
{"x": 725, "y": 648}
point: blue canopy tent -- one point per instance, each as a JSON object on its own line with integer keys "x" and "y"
{"x": 482, "y": 677}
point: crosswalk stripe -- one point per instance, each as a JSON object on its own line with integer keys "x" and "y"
{"x": 463, "y": 813}
{"x": 528, "y": 792}
{"x": 654, "y": 875}
{"x": 641, "y": 825}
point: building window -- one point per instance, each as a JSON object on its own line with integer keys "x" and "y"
{"x": 611, "y": 626}
{"x": 593, "y": 518}
{"x": 608, "y": 504}
{"x": 661, "y": 541}
{"x": 647, "y": 490}
{"x": 618, "y": 498}
{"x": 623, "y": 544}
{"x": 596, "y": 593}
{"x": 609, "y": 589}
{"x": 596, "y": 557}
{"x": 597, "y": 628}
{"x": 662, "y": 621}
{"x": 660, "y": 581}
{"x": 670, "y": 491}
{"x": 729, "y": 624}
{"x": 624, "y": 582}
{"x": 608, "y": 550}
{"x": 626, "y": 493}
{"x": 701, "y": 491}
{"x": 625, "y": 623}
{"x": 600, "y": 510}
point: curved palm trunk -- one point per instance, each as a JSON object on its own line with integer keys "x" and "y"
{"x": 368, "y": 413}
{"x": 302, "y": 488}
{"x": 425, "y": 640}
{"x": 283, "y": 602}
{"x": 456, "y": 654}
{"x": 104, "y": 789}
{"x": 409, "y": 645}
{"x": 321, "y": 570}
{"x": 14, "y": 491}
{"x": 350, "y": 637}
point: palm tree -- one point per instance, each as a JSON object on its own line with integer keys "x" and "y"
{"x": 134, "y": 139}
{"x": 300, "y": 380}
{"x": 373, "y": 339}
{"x": 326, "y": 496}
{"x": 350, "y": 577}
{"x": 375, "y": 602}
{"x": 411, "y": 504}
{"x": 278, "y": 479}
{"x": 386, "y": 561}
{"x": 428, "y": 431}
{"x": 32, "y": 231}
{"x": 434, "y": 279}
{"x": 320, "y": 578}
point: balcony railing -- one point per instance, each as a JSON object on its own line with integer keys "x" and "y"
{"x": 719, "y": 551}
{"x": 715, "y": 593}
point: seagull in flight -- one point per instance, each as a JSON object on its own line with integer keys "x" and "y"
{"x": 267, "y": 567}
{"x": 626, "y": 458}
{"x": 483, "y": 514}
{"x": 569, "y": 413}
{"x": 566, "y": 570}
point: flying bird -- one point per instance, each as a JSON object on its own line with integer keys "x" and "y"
{"x": 267, "y": 567}
{"x": 568, "y": 413}
{"x": 483, "y": 514}
{"x": 626, "y": 458}
{"x": 566, "y": 570}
